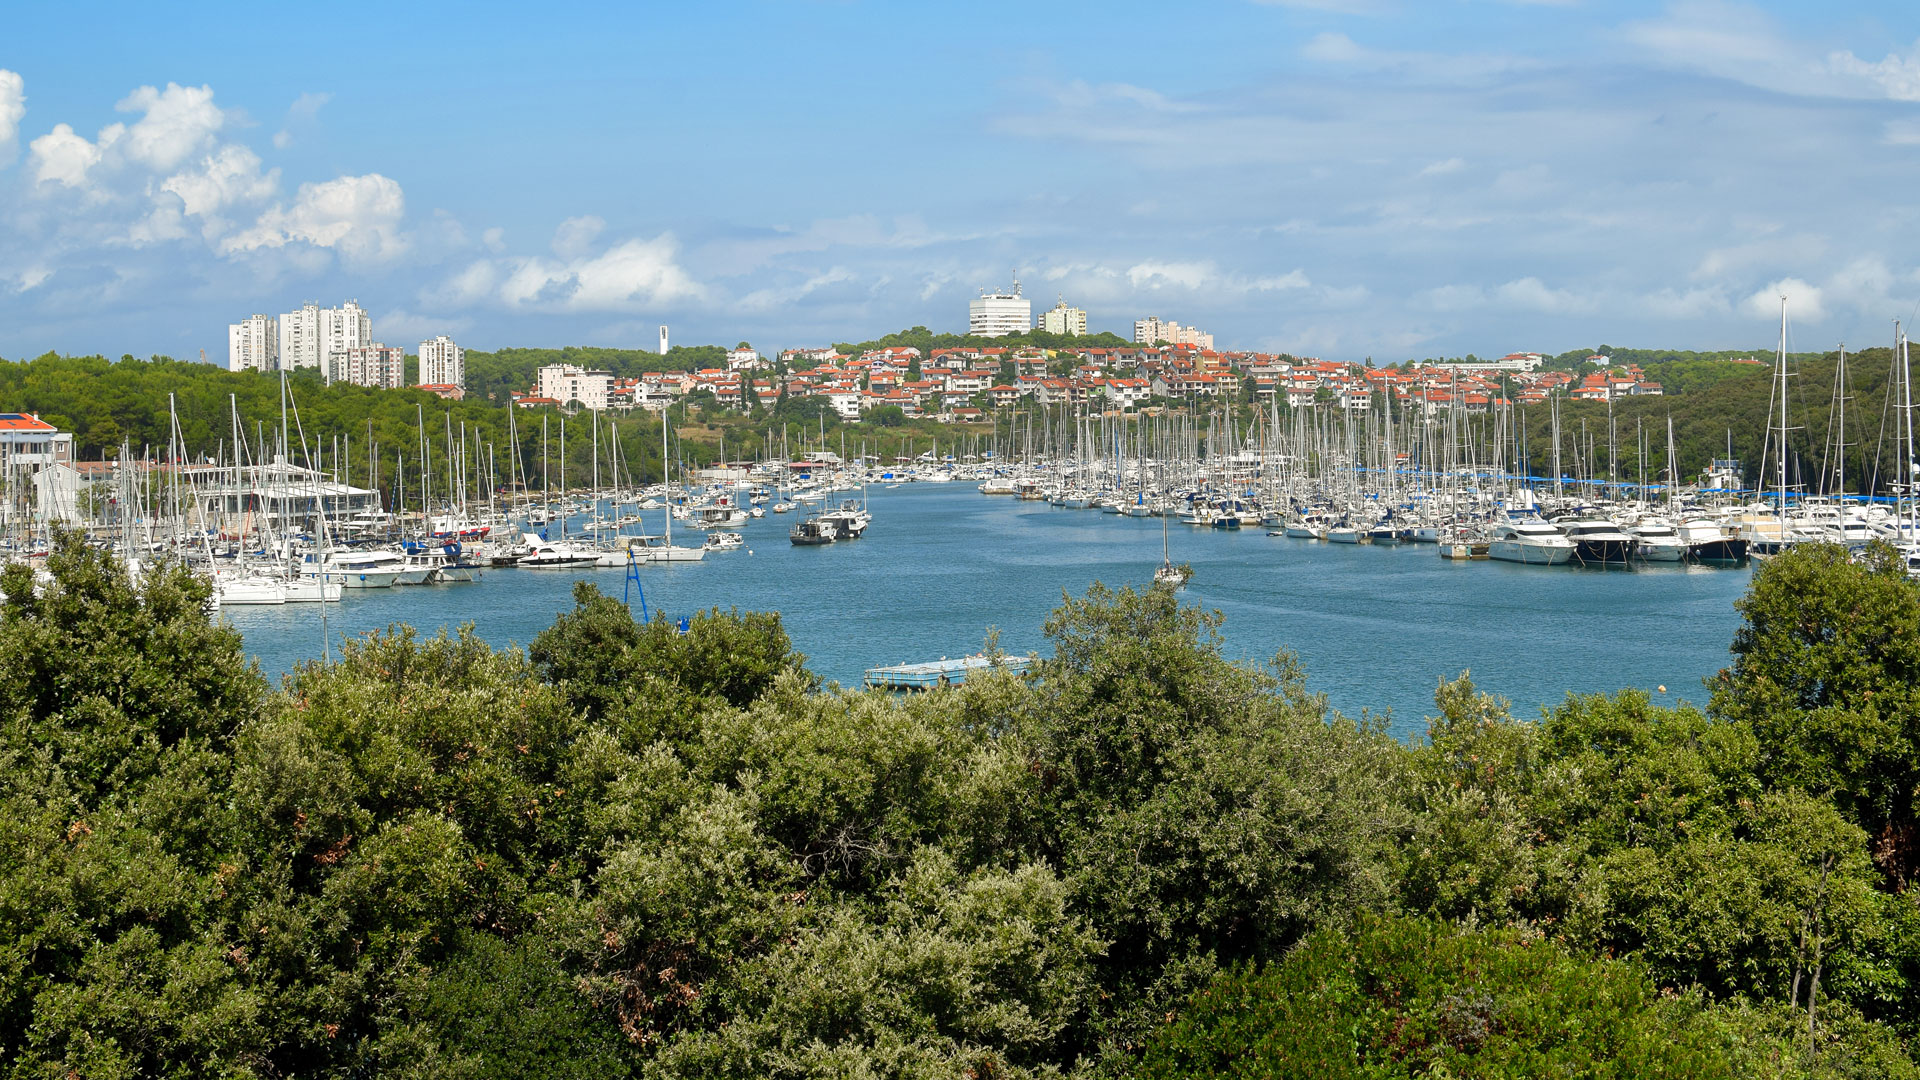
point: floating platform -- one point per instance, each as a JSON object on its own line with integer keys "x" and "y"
{"x": 937, "y": 673}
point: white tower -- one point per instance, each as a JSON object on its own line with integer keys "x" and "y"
{"x": 663, "y": 341}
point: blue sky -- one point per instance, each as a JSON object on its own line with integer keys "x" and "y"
{"x": 1342, "y": 178}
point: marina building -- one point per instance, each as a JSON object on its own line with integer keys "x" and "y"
{"x": 998, "y": 314}
{"x": 254, "y": 344}
{"x": 1061, "y": 319}
{"x": 442, "y": 363}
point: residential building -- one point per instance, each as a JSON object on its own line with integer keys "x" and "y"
{"x": 313, "y": 336}
{"x": 442, "y": 363}
{"x": 1061, "y": 319}
{"x": 1153, "y": 328}
{"x": 254, "y": 345}
{"x": 377, "y": 365}
{"x": 745, "y": 358}
{"x": 998, "y": 314}
{"x": 26, "y": 441}
{"x": 570, "y": 386}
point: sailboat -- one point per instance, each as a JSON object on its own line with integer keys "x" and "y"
{"x": 1167, "y": 573}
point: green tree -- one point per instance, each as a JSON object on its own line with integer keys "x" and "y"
{"x": 1826, "y": 674}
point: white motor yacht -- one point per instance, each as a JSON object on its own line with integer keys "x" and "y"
{"x": 552, "y": 555}
{"x": 1531, "y": 541}
{"x": 1657, "y": 541}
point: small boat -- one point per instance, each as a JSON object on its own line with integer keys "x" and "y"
{"x": 724, "y": 541}
{"x": 548, "y": 555}
{"x": 814, "y": 532}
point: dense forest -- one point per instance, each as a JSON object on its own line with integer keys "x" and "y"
{"x": 637, "y": 850}
{"x": 1714, "y": 406}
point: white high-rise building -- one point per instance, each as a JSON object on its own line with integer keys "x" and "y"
{"x": 300, "y": 338}
{"x": 254, "y": 345}
{"x": 997, "y": 314}
{"x": 442, "y": 363}
{"x": 376, "y": 365}
{"x": 1061, "y": 319}
{"x": 663, "y": 341}
{"x": 567, "y": 384}
{"x": 313, "y": 336}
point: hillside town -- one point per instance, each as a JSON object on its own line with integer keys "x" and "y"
{"x": 1167, "y": 363}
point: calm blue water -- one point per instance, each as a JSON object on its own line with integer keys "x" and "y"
{"x": 1375, "y": 627}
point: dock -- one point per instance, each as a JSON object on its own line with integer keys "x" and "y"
{"x": 936, "y": 673}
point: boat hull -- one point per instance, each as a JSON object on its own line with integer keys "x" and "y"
{"x": 1528, "y": 554}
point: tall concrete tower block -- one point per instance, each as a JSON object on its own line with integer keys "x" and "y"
{"x": 663, "y": 341}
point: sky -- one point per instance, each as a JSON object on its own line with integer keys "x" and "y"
{"x": 1392, "y": 179}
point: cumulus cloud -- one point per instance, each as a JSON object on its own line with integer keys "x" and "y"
{"x": 576, "y": 235}
{"x": 62, "y": 157}
{"x": 1163, "y": 275}
{"x": 631, "y": 276}
{"x": 357, "y": 216}
{"x": 1805, "y": 303}
{"x": 1897, "y": 76}
{"x": 178, "y": 122}
{"x": 13, "y": 106}
{"x": 1442, "y": 168}
{"x": 229, "y": 175}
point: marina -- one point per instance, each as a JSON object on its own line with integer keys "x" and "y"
{"x": 1375, "y": 627}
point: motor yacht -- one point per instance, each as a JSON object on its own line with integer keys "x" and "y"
{"x": 813, "y": 532}
{"x": 1657, "y": 541}
{"x": 1597, "y": 541}
{"x": 1531, "y": 541}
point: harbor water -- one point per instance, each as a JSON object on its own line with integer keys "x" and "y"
{"x": 1375, "y": 628}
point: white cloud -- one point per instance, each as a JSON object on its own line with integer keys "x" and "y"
{"x": 773, "y": 299}
{"x": 494, "y": 239}
{"x": 1164, "y": 275}
{"x": 1897, "y": 76}
{"x": 299, "y": 114}
{"x": 1442, "y": 168}
{"x": 1805, "y": 303}
{"x": 635, "y": 275}
{"x": 1534, "y": 295}
{"x": 1900, "y": 133}
{"x": 1334, "y": 48}
{"x": 62, "y": 157}
{"x": 1457, "y": 297}
{"x": 13, "y": 106}
{"x": 576, "y": 235}
{"x": 178, "y": 122}
{"x": 357, "y": 216}
{"x": 229, "y": 175}
{"x": 1742, "y": 43}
